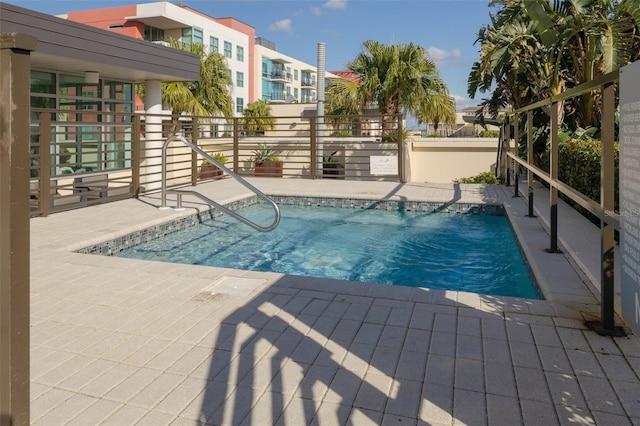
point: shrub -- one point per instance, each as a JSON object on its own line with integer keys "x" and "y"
{"x": 484, "y": 177}
{"x": 579, "y": 167}
{"x": 489, "y": 134}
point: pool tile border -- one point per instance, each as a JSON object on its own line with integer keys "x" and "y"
{"x": 118, "y": 244}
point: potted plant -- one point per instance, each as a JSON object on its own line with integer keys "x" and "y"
{"x": 209, "y": 170}
{"x": 267, "y": 164}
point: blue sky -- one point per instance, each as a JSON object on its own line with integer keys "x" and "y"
{"x": 446, "y": 28}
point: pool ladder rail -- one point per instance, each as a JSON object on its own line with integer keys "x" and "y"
{"x": 181, "y": 192}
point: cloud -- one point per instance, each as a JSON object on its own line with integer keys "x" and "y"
{"x": 441, "y": 56}
{"x": 330, "y": 4}
{"x": 463, "y": 102}
{"x": 282, "y": 25}
{"x": 335, "y": 4}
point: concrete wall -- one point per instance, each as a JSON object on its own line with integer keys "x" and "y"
{"x": 442, "y": 160}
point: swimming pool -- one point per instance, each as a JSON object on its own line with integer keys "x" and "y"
{"x": 464, "y": 252}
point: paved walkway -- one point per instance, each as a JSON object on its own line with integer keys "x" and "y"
{"x": 123, "y": 342}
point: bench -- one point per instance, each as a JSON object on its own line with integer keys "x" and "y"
{"x": 93, "y": 187}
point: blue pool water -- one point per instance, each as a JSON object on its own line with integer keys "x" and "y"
{"x": 465, "y": 252}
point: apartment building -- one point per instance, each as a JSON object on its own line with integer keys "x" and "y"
{"x": 283, "y": 79}
{"x": 160, "y": 21}
{"x": 258, "y": 70}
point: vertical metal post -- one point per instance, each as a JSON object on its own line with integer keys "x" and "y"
{"x": 194, "y": 155}
{"x": 607, "y": 199}
{"x": 136, "y": 156}
{"x": 236, "y": 146}
{"x": 529, "y": 160}
{"x": 322, "y": 55}
{"x": 516, "y": 168}
{"x": 15, "y": 50}
{"x": 313, "y": 147}
{"x": 553, "y": 173}
{"x": 506, "y": 148}
{"x": 401, "y": 172}
{"x": 45, "y": 163}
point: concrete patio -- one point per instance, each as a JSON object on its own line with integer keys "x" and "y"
{"x": 127, "y": 342}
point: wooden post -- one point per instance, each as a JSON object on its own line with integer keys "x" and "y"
{"x": 15, "y": 62}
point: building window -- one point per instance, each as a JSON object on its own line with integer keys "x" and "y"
{"x": 153, "y": 33}
{"x": 227, "y": 49}
{"x": 295, "y": 92}
{"x": 240, "y": 53}
{"x": 239, "y": 79}
{"x": 239, "y": 104}
{"x": 213, "y": 45}
{"x": 192, "y": 36}
{"x": 198, "y": 38}
{"x": 295, "y": 75}
{"x": 94, "y": 132}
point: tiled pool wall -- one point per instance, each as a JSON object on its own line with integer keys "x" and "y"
{"x": 127, "y": 241}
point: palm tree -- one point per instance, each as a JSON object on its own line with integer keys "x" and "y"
{"x": 397, "y": 78}
{"x": 257, "y": 118}
{"x": 209, "y": 96}
{"x": 438, "y": 111}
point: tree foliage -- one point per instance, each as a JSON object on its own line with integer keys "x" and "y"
{"x": 395, "y": 78}
{"x": 257, "y": 118}
{"x": 534, "y": 49}
{"x": 209, "y": 96}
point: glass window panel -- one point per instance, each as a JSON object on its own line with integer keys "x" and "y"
{"x": 43, "y": 82}
{"x": 186, "y": 36}
{"x": 197, "y": 36}
{"x": 213, "y": 45}
{"x": 227, "y": 49}
{"x": 117, "y": 90}
{"x": 73, "y": 85}
{"x": 240, "y": 53}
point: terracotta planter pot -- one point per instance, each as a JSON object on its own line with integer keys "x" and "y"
{"x": 269, "y": 169}
{"x": 209, "y": 171}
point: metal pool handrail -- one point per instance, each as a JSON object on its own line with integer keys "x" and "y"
{"x": 209, "y": 201}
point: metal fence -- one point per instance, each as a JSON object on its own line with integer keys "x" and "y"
{"x": 605, "y": 88}
{"x": 80, "y": 158}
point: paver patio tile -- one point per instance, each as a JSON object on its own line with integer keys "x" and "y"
{"x": 96, "y": 413}
{"x": 373, "y": 392}
{"x": 469, "y": 407}
{"x": 440, "y": 370}
{"x": 554, "y": 359}
{"x": 411, "y": 365}
{"x": 132, "y": 385}
{"x": 503, "y": 410}
{"x": 442, "y": 344}
{"x": 499, "y": 379}
{"x": 538, "y": 412}
{"x": 154, "y": 392}
{"x": 525, "y": 355}
{"x": 532, "y": 384}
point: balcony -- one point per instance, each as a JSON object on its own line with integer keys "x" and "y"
{"x": 307, "y": 82}
{"x": 278, "y": 76}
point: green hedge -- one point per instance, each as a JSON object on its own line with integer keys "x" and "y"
{"x": 489, "y": 134}
{"x": 579, "y": 167}
{"x": 484, "y": 177}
